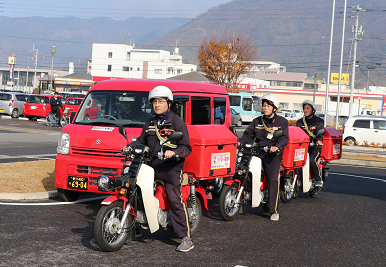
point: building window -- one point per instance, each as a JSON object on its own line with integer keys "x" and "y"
{"x": 131, "y": 68}
{"x": 179, "y": 71}
{"x": 108, "y": 67}
{"x": 128, "y": 56}
{"x": 110, "y": 54}
{"x": 170, "y": 70}
{"x": 158, "y": 71}
{"x": 126, "y": 68}
{"x": 138, "y": 69}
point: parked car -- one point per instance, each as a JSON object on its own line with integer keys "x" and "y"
{"x": 299, "y": 113}
{"x": 71, "y": 94}
{"x": 73, "y": 104}
{"x": 365, "y": 128}
{"x": 12, "y": 103}
{"x": 236, "y": 118}
{"x": 39, "y": 106}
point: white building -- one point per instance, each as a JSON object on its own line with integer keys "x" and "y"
{"x": 111, "y": 61}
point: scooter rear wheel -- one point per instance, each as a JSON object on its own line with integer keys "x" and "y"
{"x": 106, "y": 227}
{"x": 194, "y": 215}
{"x": 227, "y": 202}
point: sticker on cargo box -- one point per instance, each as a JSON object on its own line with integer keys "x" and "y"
{"x": 336, "y": 149}
{"x": 105, "y": 129}
{"x": 299, "y": 154}
{"x": 220, "y": 160}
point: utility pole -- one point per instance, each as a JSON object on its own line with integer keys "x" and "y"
{"x": 314, "y": 87}
{"x": 36, "y": 64}
{"x": 355, "y": 40}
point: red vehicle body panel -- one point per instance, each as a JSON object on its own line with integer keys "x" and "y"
{"x": 40, "y": 109}
{"x": 71, "y": 103}
{"x": 296, "y": 151}
{"x": 93, "y": 149}
{"x": 332, "y": 144}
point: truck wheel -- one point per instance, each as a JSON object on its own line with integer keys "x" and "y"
{"x": 239, "y": 123}
{"x": 227, "y": 202}
{"x": 15, "y": 113}
{"x": 68, "y": 195}
{"x": 350, "y": 141}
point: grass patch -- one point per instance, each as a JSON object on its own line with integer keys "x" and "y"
{"x": 27, "y": 177}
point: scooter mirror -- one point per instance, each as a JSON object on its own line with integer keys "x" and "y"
{"x": 175, "y": 136}
{"x": 122, "y": 131}
{"x": 320, "y": 132}
{"x": 277, "y": 134}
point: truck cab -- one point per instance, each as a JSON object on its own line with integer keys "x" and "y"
{"x": 90, "y": 146}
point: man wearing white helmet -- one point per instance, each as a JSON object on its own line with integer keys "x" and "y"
{"x": 311, "y": 124}
{"x": 156, "y": 129}
{"x": 261, "y": 130}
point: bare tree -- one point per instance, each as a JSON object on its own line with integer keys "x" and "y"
{"x": 224, "y": 61}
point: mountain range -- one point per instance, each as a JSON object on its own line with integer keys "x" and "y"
{"x": 294, "y": 33}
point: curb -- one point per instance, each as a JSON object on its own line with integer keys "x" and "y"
{"x": 29, "y": 196}
{"x": 360, "y": 162}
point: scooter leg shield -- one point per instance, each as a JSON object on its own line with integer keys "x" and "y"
{"x": 255, "y": 170}
{"x": 145, "y": 181}
{"x": 306, "y": 176}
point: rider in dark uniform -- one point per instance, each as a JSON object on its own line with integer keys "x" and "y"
{"x": 311, "y": 124}
{"x": 261, "y": 130}
{"x": 55, "y": 104}
{"x": 162, "y": 124}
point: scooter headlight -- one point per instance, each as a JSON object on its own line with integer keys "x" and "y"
{"x": 103, "y": 182}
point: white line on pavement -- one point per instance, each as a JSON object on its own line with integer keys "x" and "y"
{"x": 357, "y": 176}
{"x": 53, "y": 204}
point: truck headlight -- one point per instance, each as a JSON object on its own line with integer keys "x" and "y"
{"x": 63, "y": 143}
{"x": 103, "y": 182}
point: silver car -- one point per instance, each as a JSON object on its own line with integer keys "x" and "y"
{"x": 236, "y": 118}
{"x": 12, "y": 103}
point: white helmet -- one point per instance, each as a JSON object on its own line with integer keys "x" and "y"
{"x": 309, "y": 102}
{"x": 271, "y": 100}
{"x": 161, "y": 92}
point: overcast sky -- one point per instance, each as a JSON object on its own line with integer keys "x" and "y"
{"x": 117, "y": 9}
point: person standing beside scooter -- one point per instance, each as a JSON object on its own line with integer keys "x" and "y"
{"x": 153, "y": 134}
{"x": 261, "y": 130}
{"x": 311, "y": 124}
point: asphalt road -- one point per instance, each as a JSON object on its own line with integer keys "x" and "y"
{"x": 343, "y": 226}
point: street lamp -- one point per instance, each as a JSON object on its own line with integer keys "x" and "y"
{"x": 53, "y": 50}
{"x": 359, "y": 106}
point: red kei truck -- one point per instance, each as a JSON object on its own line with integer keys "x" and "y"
{"x": 89, "y": 147}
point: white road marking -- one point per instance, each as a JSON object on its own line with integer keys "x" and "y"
{"x": 56, "y": 203}
{"x": 358, "y": 176}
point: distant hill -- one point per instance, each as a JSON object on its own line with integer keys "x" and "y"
{"x": 73, "y": 37}
{"x": 294, "y": 33}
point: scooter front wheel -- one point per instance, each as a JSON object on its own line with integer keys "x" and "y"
{"x": 107, "y": 226}
{"x": 227, "y": 202}
{"x": 194, "y": 214}
{"x": 287, "y": 193}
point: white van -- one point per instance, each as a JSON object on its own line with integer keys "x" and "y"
{"x": 365, "y": 128}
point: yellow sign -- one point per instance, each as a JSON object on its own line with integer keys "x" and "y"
{"x": 12, "y": 60}
{"x": 343, "y": 80}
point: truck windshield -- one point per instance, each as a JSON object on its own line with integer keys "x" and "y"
{"x": 129, "y": 108}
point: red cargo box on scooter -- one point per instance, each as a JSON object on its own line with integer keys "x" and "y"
{"x": 213, "y": 152}
{"x": 332, "y": 144}
{"x": 295, "y": 152}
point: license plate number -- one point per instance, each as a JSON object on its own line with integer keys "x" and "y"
{"x": 78, "y": 182}
{"x": 33, "y": 107}
{"x": 2, "y": 110}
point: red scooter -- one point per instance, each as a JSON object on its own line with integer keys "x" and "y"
{"x": 141, "y": 201}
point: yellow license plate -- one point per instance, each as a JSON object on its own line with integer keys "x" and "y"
{"x": 2, "y": 110}
{"x": 78, "y": 182}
